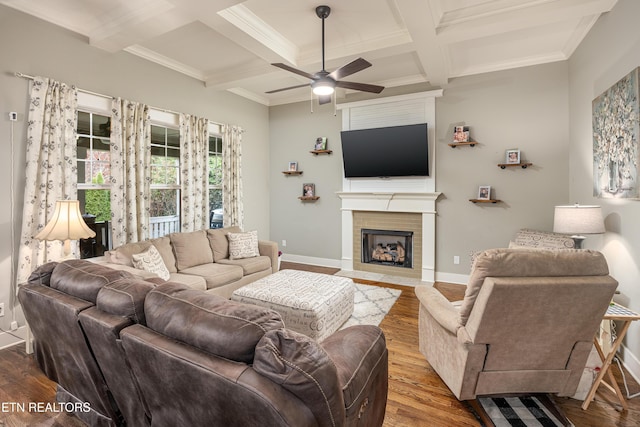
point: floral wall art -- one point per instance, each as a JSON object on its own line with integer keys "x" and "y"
{"x": 615, "y": 140}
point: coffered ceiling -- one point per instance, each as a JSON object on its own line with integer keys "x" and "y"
{"x": 230, "y": 44}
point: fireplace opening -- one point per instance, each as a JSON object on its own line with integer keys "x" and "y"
{"x": 387, "y": 247}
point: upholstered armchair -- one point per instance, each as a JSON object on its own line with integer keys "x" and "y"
{"x": 526, "y": 324}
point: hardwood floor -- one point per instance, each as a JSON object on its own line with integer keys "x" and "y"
{"x": 417, "y": 396}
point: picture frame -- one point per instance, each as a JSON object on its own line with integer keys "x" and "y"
{"x": 293, "y": 166}
{"x": 484, "y": 192}
{"x": 460, "y": 134}
{"x": 512, "y": 156}
{"x": 321, "y": 143}
{"x": 308, "y": 190}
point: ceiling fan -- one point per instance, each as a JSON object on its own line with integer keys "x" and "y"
{"x": 323, "y": 83}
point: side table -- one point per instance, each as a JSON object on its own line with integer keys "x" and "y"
{"x": 626, "y": 316}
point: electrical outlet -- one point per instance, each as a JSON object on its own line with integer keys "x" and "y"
{"x": 1, "y": 309}
{"x": 14, "y": 326}
{"x": 13, "y": 116}
{"x": 456, "y": 259}
{"x": 284, "y": 243}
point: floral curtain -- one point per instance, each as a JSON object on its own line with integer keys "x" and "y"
{"x": 194, "y": 142}
{"x": 233, "y": 212}
{"x": 50, "y": 169}
{"x": 130, "y": 176}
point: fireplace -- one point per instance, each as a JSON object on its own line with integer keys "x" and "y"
{"x": 387, "y": 247}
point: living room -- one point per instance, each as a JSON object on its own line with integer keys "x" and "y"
{"x": 543, "y": 110}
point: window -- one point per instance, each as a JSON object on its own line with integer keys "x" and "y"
{"x": 94, "y": 169}
{"x": 165, "y": 181}
{"x": 215, "y": 181}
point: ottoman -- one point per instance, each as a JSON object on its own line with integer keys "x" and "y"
{"x": 313, "y": 304}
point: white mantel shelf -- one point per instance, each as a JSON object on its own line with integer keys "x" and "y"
{"x": 389, "y": 201}
{"x": 423, "y": 203}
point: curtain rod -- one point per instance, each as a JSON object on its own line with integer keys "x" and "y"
{"x": 164, "y": 110}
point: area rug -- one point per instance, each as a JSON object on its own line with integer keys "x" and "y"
{"x": 523, "y": 411}
{"x": 371, "y": 304}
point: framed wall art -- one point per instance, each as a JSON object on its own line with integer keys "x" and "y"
{"x": 615, "y": 115}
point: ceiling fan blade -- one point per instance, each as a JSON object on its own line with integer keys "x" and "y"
{"x": 364, "y": 87}
{"x": 324, "y": 99}
{"x": 287, "y": 88}
{"x": 293, "y": 70}
{"x": 351, "y": 68}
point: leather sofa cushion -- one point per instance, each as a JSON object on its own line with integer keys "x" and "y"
{"x": 211, "y": 323}
{"x": 218, "y": 241}
{"x": 42, "y": 274}
{"x": 125, "y": 298}
{"x": 520, "y": 262}
{"x": 250, "y": 265}
{"x": 215, "y": 274}
{"x": 84, "y": 279}
{"x": 191, "y": 249}
{"x": 358, "y": 352}
{"x": 300, "y": 365}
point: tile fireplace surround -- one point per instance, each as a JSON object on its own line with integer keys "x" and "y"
{"x": 408, "y": 210}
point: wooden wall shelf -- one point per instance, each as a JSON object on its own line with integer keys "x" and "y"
{"x": 292, "y": 172}
{"x": 506, "y": 165}
{"x": 484, "y": 201}
{"x": 316, "y": 152}
{"x": 456, "y": 144}
{"x": 308, "y": 198}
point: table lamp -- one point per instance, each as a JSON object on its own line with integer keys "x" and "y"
{"x": 578, "y": 220}
{"x": 66, "y": 224}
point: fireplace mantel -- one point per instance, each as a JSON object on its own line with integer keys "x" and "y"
{"x": 422, "y": 203}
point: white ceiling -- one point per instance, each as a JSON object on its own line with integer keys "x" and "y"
{"x": 229, "y": 44}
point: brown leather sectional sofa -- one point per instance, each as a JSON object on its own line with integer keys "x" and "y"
{"x": 154, "y": 353}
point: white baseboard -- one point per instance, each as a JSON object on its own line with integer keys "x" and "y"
{"x": 460, "y": 279}
{"x": 11, "y": 338}
{"x": 322, "y": 262}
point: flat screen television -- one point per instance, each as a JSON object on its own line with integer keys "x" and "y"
{"x": 386, "y": 152}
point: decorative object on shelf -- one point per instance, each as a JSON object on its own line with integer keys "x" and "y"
{"x": 512, "y": 156}
{"x": 578, "y": 220}
{"x": 66, "y": 225}
{"x": 460, "y": 134}
{"x": 616, "y": 129}
{"x": 320, "y": 146}
{"x": 484, "y": 192}
{"x": 321, "y": 143}
{"x": 293, "y": 169}
{"x": 308, "y": 190}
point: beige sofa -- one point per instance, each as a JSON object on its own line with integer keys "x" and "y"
{"x": 198, "y": 259}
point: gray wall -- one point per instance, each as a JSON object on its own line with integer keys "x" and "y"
{"x": 525, "y": 109}
{"x": 35, "y": 47}
{"x": 609, "y": 52}
{"x": 311, "y": 229}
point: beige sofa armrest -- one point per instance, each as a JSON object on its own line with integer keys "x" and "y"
{"x": 439, "y": 307}
{"x": 270, "y": 249}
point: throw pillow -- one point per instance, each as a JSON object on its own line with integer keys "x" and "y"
{"x": 151, "y": 261}
{"x": 243, "y": 245}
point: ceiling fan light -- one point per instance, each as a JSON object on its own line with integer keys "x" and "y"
{"x": 323, "y": 88}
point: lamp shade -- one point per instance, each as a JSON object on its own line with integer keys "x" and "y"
{"x": 66, "y": 223}
{"x": 578, "y": 219}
